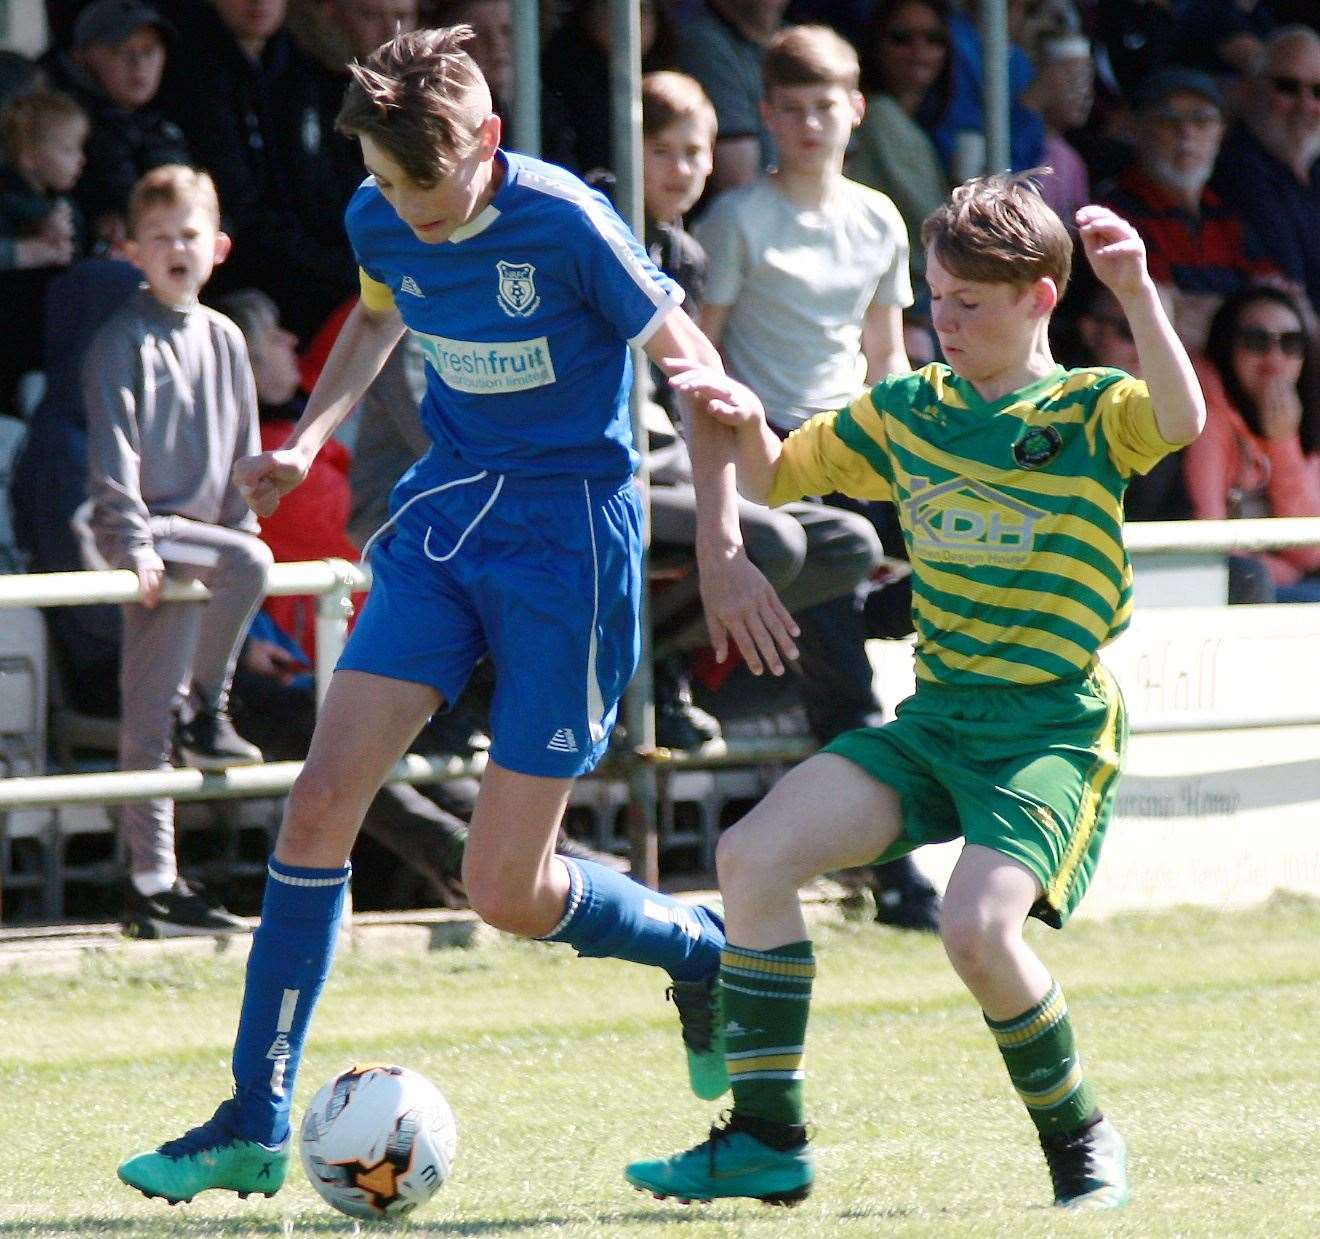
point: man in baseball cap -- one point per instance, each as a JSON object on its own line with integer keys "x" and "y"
{"x": 1197, "y": 247}
{"x": 109, "y": 23}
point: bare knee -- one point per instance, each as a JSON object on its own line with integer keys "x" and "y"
{"x": 746, "y": 859}
{"x": 502, "y": 905}
{"x": 976, "y": 942}
{"x": 319, "y": 820}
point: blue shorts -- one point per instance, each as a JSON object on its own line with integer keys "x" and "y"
{"x": 541, "y": 574}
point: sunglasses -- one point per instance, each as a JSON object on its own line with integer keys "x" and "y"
{"x": 1258, "y": 340}
{"x": 901, "y": 36}
{"x": 1294, "y": 86}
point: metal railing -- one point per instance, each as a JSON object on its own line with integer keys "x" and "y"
{"x": 334, "y": 581}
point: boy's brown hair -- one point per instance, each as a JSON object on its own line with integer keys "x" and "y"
{"x": 998, "y": 230}
{"x": 809, "y": 56}
{"x": 28, "y": 118}
{"x": 669, "y": 97}
{"x": 421, "y": 98}
{"x": 171, "y": 185}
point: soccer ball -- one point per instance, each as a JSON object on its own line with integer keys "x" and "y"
{"x": 378, "y": 1140}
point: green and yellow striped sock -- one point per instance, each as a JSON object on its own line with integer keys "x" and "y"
{"x": 766, "y": 997}
{"x": 1041, "y": 1055}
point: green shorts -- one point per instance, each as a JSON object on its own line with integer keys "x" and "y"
{"x": 1029, "y": 772}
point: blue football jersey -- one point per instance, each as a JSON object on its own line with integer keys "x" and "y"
{"x": 523, "y": 315}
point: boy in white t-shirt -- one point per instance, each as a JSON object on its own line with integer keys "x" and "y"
{"x": 808, "y": 270}
{"x": 805, "y": 293}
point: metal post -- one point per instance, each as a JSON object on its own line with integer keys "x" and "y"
{"x": 994, "y": 84}
{"x": 526, "y": 134}
{"x": 638, "y": 705}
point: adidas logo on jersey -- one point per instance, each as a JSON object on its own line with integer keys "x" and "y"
{"x": 409, "y": 286}
{"x": 563, "y": 741}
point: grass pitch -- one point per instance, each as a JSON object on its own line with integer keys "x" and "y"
{"x": 1201, "y": 1030}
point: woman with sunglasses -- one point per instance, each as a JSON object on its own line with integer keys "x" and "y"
{"x": 1260, "y": 452}
{"x": 905, "y": 78}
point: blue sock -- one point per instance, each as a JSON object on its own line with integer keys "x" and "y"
{"x": 608, "y": 914}
{"x": 292, "y": 950}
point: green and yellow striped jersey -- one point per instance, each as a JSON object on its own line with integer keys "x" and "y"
{"x": 1011, "y": 510}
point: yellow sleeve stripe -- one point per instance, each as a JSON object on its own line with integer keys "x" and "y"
{"x": 375, "y": 295}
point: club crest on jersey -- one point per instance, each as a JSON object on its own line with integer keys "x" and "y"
{"x": 1036, "y": 448}
{"x": 517, "y": 293}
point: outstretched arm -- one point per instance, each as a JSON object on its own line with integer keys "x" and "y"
{"x": 739, "y": 602}
{"x": 361, "y": 348}
{"x": 711, "y": 392}
{"x": 1118, "y": 257}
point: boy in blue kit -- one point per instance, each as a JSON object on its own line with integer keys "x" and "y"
{"x": 516, "y": 536}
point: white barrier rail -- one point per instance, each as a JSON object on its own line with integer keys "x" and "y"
{"x": 334, "y": 581}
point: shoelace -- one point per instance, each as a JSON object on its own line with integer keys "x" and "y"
{"x": 216, "y": 1132}
{"x": 718, "y": 1136}
{"x": 1070, "y": 1163}
{"x": 696, "y": 1013}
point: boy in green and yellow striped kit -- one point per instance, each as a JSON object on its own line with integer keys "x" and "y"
{"x": 1008, "y": 473}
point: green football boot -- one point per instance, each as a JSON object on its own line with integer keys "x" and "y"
{"x": 702, "y": 1022}
{"x": 1088, "y": 1167}
{"x": 210, "y": 1156}
{"x": 731, "y": 1162}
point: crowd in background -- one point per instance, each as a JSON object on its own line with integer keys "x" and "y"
{"x": 1198, "y": 120}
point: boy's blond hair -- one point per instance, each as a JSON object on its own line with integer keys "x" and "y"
{"x": 27, "y": 119}
{"x": 421, "y": 98}
{"x": 669, "y": 97}
{"x": 999, "y": 230}
{"x": 809, "y": 56}
{"x": 172, "y": 185}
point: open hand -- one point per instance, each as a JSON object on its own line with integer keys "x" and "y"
{"x": 740, "y": 603}
{"x": 263, "y": 480}
{"x": 709, "y": 390}
{"x": 1116, "y": 252}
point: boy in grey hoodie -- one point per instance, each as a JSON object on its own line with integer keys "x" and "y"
{"x": 170, "y": 407}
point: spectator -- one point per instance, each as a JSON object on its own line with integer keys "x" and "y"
{"x": 1269, "y": 170}
{"x": 1137, "y": 36}
{"x": 50, "y": 481}
{"x": 576, "y": 70}
{"x": 42, "y": 133}
{"x": 114, "y": 71}
{"x": 965, "y": 114}
{"x": 334, "y": 33}
{"x": 1198, "y": 249}
{"x": 1260, "y": 453}
{"x": 808, "y": 552}
{"x": 250, "y": 102}
{"x": 1063, "y": 92}
{"x": 170, "y": 407}
{"x": 804, "y": 342}
{"x": 1106, "y": 340}
{"x": 312, "y": 524}
{"x": 1222, "y": 37}
{"x": 721, "y": 45}
{"x": 905, "y": 75}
